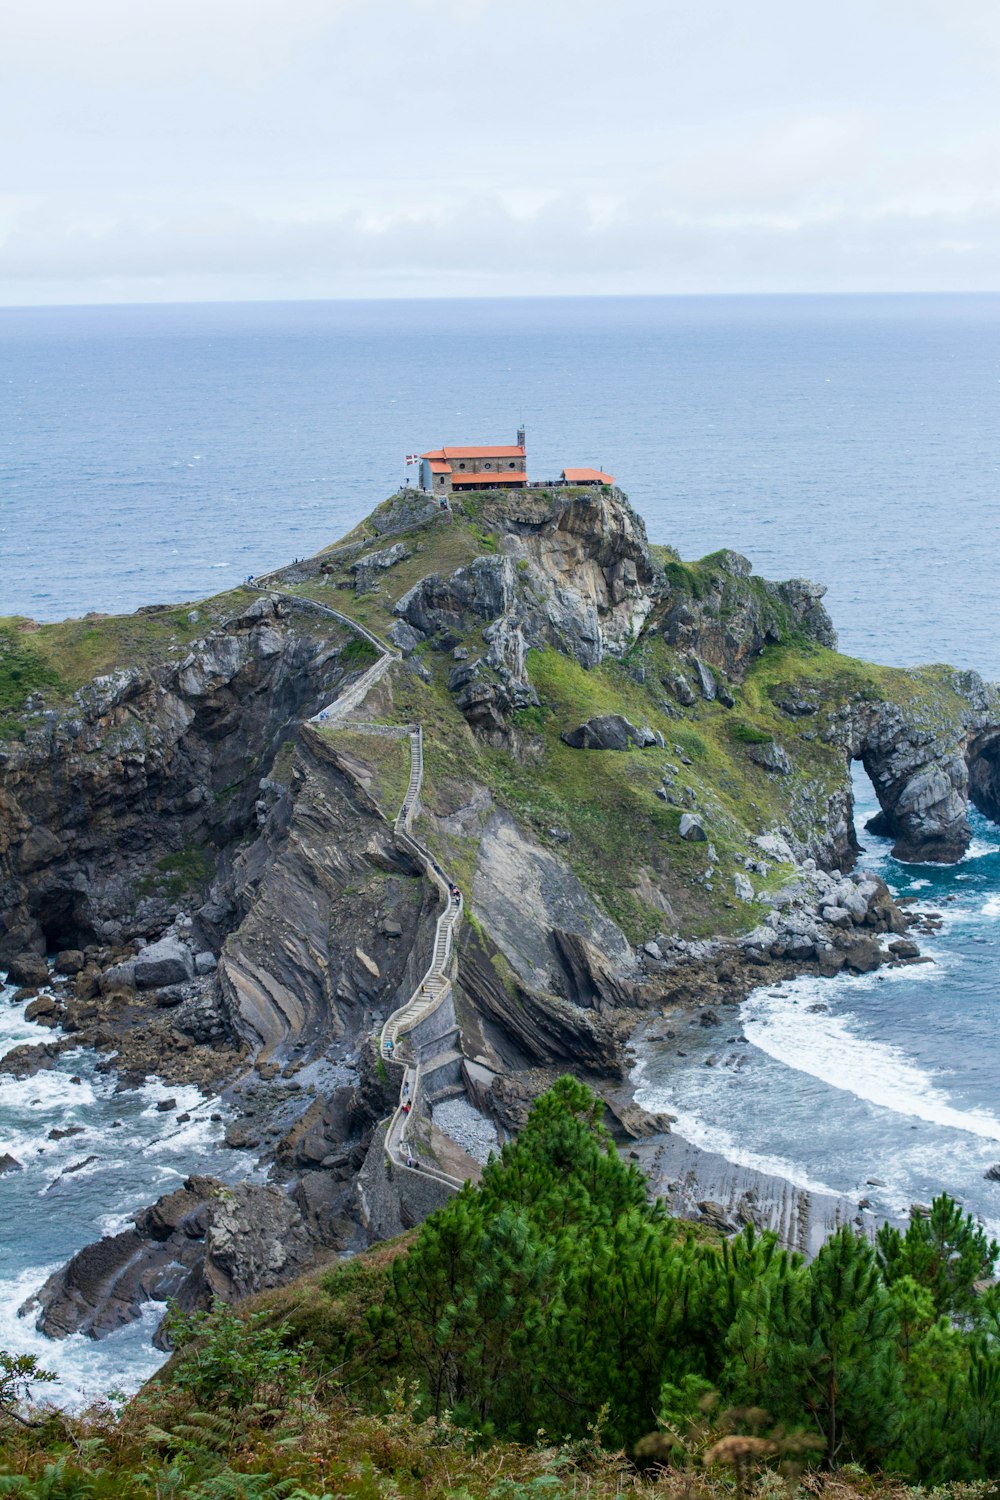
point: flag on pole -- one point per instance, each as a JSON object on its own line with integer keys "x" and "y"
{"x": 413, "y": 458}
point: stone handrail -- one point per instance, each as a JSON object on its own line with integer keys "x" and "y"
{"x": 304, "y": 602}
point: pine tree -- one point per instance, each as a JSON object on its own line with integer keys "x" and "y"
{"x": 982, "y": 1409}
{"x": 945, "y": 1251}
{"x": 832, "y": 1351}
{"x": 757, "y": 1292}
{"x": 426, "y": 1312}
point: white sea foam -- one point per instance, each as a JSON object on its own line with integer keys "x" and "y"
{"x": 827, "y": 1047}
{"x": 979, "y": 848}
{"x": 991, "y": 906}
{"x": 47, "y": 1090}
{"x": 139, "y": 1152}
{"x": 87, "y": 1368}
{"x": 710, "y": 1137}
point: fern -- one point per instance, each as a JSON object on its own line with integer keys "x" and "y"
{"x": 54, "y": 1483}
{"x": 232, "y": 1485}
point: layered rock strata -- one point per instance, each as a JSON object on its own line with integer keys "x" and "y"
{"x": 231, "y": 903}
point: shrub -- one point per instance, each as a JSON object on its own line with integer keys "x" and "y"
{"x": 748, "y": 734}
{"x": 234, "y": 1361}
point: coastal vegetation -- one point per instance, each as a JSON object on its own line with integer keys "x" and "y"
{"x": 55, "y": 658}
{"x": 750, "y": 733}
{"x": 608, "y": 732}
{"x": 552, "y": 1331}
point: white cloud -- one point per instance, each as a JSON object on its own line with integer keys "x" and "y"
{"x": 337, "y": 147}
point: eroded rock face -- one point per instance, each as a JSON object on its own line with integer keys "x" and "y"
{"x": 925, "y": 766}
{"x": 588, "y": 558}
{"x": 203, "y": 1241}
{"x": 525, "y": 894}
{"x": 983, "y": 758}
{"x": 318, "y": 885}
{"x": 737, "y": 615}
{"x": 531, "y": 1027}
{"x": 576, "y": 575}
{"x": 144, "y": 764}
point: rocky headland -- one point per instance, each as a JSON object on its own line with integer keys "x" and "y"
{"x": 636, "y": 769}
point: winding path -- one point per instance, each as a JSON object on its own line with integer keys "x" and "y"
{"x": 436, "y": 983}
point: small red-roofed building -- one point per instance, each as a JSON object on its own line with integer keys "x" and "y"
{"x": 450, "y": 470}
{"x": 455, "y": 469}
{"x": 587, "y": 476}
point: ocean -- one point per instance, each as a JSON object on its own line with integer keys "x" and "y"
{"x": 882, "y": 1086}
{"x": 155, "y": 454}
{"x": 114, "y": 1151}
{"x": 161, "y": 453}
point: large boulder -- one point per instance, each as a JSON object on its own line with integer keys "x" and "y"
{"x": 609, "y": 732}
{"x": 367, "y": 570}
{"x": 771, "y": 757}
{"x": 692, "y": 829}
{"x": 28, "y": 969}
{"x": 30, "y": 1058}
{"x": 680, "y": 687}
{"x": 118, "y": 977}
{"x": 199, "y": 1242}
{"x": 163, "y": 963}
{"x": 863, "y": 955}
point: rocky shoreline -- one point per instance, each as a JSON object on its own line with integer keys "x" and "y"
{"x": 207, "y": 1239}
{"x": 229, "y": 903}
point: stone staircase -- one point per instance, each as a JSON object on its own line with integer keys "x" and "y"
{"x": 438, "y": 1054}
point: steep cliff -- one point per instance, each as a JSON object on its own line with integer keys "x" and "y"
{"x": 636, "y": 769}
{"x": 121, "y": 796}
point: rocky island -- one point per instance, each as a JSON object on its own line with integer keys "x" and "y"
{"x": 230, "y": 833}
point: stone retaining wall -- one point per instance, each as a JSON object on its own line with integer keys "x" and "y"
{"x": 392, "y": 1198}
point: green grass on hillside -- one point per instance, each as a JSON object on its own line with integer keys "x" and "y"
{"x": 605, "y": 800}
{"x": 387, "y": 759}
{"x": 623, "y": 837}
{"x": 56, "y": 658}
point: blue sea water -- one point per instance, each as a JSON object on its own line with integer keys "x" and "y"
{"x": 71, "y": 1189}
{"x": 891, "y": 1076}
{"x": 161, "y": 453}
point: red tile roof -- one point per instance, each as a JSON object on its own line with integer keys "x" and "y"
{"x": 438, "y": 466}
{"x": 485, "y": 452}
{"x": 506, "y": 476}
{"x": 587, "y": 476}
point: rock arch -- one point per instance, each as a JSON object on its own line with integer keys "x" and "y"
{"x": 983, "y": 759}
{"x": 926, "y": 769}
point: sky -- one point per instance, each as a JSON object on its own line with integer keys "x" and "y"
{"x": 188, "y": 150}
